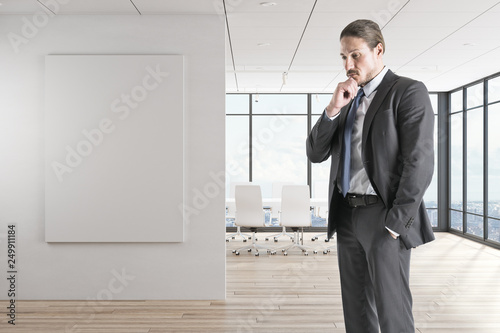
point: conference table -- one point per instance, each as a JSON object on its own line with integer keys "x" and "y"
{"x": 273, "y": 206}
{"x": 270, "y": 202}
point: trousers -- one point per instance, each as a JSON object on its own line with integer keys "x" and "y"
{"x": 374, "y": 272}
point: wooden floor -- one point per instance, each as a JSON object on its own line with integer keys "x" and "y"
{"x": 455, "y": 283}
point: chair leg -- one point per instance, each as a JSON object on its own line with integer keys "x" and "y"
{"x": 238, "y": 233}
{"x": 327, "y": 250}
{"x": 297, "y": 244}
{"x": 315, "y": 237}
{"x": 282, "y": 233}
{"x": 255, "y": 247}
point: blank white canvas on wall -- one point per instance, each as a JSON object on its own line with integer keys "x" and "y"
{"x": 113, "y": 148}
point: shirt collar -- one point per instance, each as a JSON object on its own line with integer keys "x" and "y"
{"x": 371, "y": 86}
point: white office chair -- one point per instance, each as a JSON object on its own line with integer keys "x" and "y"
{"x": 296, "y": 213}
{"x": 250, "y": 214}
{"x": 275, "y": 211}
{"x": 231, "y": 213}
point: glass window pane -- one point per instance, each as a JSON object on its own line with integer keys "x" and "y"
{"x": 431, "y": 195}
{"x": 494, "y": 230}
{"x": 279, "y": 151}
{"x": 494, "y": 90}
{"x": 320, "y": 177}
{"x": 280, "y": 104}
{"x": 475, "y": 225}
{"x": 433, "y": 216}
{"x": 456, "y": 220}
{"x": 456, "y": 161}
{"x": 456, "y": 101}
{"x": 319, "y": 102}
{"x": 237, "y": 104}
{"x": 494, "y": 161}
{"x": 475, "y": 95}
{"x": 237, "y": 150}
{"x": 320, "y": 173}
{"x": 475, "y": 161}
{"x": 434, "y": 102}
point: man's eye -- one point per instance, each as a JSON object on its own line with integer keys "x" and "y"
{"x": 355, "y": 55}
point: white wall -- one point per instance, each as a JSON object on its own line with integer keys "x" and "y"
{"x": 194, "y": 269}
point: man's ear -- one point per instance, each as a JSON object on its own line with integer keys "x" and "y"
{"x": 379, "y": 49}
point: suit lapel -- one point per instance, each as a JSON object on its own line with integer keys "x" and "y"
{"x": 382, "y": 90}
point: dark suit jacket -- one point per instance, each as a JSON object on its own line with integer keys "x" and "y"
{"x": 397, "y": 153}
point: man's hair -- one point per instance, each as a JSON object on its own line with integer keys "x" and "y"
{"x": 368, "y": 30}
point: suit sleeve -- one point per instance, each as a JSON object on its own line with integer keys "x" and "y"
{"x": 415, "y": 121}
{"x": 319, "y": 141}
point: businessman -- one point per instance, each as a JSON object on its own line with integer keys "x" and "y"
{"x": 378, "y": 130}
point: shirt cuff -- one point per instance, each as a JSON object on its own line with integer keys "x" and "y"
{"x": 330, "y": 118}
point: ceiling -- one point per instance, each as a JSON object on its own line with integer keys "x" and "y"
{"x": 444, "y": 43}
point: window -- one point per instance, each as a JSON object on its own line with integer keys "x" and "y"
{"x": 475, "y": 160}
{"x": 265, "y": 144}
{"x": 237, "y": 139}
{"x": 320, "y": 172}
{"x": 475, "y": 95}
{"x": 431, "y": 195}
{"x": 237, "y": 104}
{"x": 265, "y": 140}
{"x": 278, "y": 146}
{"x": 494, "y": 90}
{"x": 456, "y": 172}
{"x": 474, "y": 174}
{"x": 493, "y": 177}
{"x": 319, "y": 102}
{"x": 237, "y": 157}
{"x": 457, "y": 101}
{"x": 276, "y": 104}
{"x": 456, "y": 163}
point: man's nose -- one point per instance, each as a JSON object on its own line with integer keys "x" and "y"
{"x": 348, "y": 64}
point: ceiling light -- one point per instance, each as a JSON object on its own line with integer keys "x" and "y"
{"x": 268, "y": 4}
{"x": 263, "y": 44}
{"x": 284, "y": 77}
{"x": 469, "y": 44}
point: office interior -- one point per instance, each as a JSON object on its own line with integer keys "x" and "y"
{"x": 255, "y": 75}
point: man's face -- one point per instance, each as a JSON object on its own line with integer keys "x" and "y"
{"x": 360, "y": 61}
